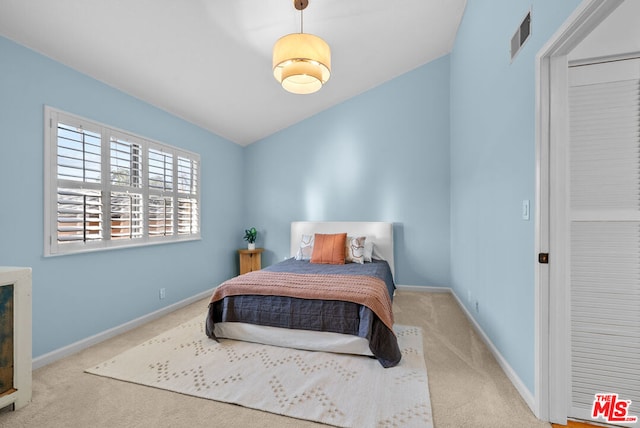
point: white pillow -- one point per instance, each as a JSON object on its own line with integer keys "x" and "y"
{"x": 368, "y": 249}
{"x": 306, "y": 248}
{"x": 371, "y": 250}
{"x": 376, "y": 254}
{"x": 354, "y": 249}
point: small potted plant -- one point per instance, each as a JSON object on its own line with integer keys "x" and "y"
{"x": 250, "y": 236}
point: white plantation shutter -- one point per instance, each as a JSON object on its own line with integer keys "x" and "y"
{"x": 79, "y": 154}
{"x": 605, "y": 234}
{"x": 187, "y": 175}
{"x": 106, "y": 188}
{"x": 126, "y": 215}
{"x": 187, "y": 216}
{"x": 160, "y": 216}
{"x": 79, "y": 210}
{"x": 126, "y": 163}
{"x": 188, "y": 220}
{"x": 79, "y": 215}
{"x": 126, "y": 200}
{"x": 160, "y": 193}
{"x": 160, "y": 170}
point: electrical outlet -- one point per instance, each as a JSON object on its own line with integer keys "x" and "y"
{"x": 163, "y": 293}
{"x": 477, "y": 307}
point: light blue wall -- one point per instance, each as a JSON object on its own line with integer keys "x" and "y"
{"x": 77, "y": 296}
{"x": 493, "y": 170}
{"x": 446, "y": 152}
{"x": 381, "y": 156}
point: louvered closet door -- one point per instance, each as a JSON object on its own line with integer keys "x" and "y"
{"x": 604, "y": 202}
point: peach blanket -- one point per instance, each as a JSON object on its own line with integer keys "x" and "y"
{"x": 364, "y": 290}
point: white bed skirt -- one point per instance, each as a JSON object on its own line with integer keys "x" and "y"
{"x": 297, "y": 339}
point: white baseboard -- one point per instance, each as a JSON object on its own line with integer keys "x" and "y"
{"x": 430, "y": 289}
{"x": 78, "y": 346}
{"x": 506, "y": 368}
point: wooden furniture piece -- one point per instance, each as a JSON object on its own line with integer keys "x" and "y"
{"x": 250, "y": 260}
{"x": 15, "y": 335}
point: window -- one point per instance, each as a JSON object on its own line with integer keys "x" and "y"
{"x": 106, "y": 188}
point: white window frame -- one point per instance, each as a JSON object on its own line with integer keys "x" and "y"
{"x": 178, "y": 194}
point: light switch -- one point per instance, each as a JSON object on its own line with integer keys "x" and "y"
{"x": 525, "y": 209}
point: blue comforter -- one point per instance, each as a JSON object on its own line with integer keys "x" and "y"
{"x": 317, "y": 315}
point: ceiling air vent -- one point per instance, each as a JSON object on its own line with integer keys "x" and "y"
{"x": 521, "y": 35}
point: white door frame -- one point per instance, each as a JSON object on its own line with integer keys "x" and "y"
{"x": 552, "y": 128}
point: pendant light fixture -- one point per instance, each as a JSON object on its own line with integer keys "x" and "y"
{"x": 301, "y": 62}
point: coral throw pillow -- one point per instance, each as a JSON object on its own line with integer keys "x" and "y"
{"x": 329, "y": 249}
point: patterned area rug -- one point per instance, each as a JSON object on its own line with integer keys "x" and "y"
{"x": 335, "y": 389}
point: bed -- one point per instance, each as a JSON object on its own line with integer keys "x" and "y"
{"x": 344, "y": 308}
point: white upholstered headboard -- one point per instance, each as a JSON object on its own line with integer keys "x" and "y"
{"x": 380, "y": 232}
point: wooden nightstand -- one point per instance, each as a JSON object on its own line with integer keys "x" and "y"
{"x": 250, "y": 260}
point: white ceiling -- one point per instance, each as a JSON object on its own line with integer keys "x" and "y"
{"x": 209, "y": 61}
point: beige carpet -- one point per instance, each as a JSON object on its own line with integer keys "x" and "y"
{"x": 336, "y": 389}
{"x": 467, "y": 387}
